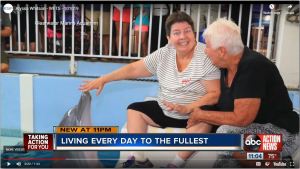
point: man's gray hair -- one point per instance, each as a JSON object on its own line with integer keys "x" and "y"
{"x": 225, "y": 33}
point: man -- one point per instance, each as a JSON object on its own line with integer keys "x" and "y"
{"x": 253, "y": 96}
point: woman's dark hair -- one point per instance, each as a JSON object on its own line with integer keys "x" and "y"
{"x": 177, "y": 17}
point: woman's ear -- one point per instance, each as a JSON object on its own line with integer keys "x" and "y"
{"x": 168, "y": 37}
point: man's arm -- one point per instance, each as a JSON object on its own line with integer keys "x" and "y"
{"x": 244, "y": 113}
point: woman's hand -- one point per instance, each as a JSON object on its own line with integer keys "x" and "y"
{"x": 93, "y": 84}
{"x": 182, "y": 109}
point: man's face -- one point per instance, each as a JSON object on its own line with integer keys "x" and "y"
{"x": 182, "y": 37}
{"x": 215, "y": 55}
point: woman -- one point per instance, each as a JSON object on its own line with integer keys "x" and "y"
{"x": 185, "y": 76}
{"x": 253, "y": 97}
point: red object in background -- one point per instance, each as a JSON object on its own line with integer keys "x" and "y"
{"x": 38, "y": 141}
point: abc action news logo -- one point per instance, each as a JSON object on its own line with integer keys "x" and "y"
{"x": 263, "y": 142}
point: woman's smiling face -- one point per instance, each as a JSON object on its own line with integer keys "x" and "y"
{"x": 182, "y": 37}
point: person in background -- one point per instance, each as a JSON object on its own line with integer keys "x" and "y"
{"x": 185, "y": 75}
{"x": 51, "y": 32}
{"x": 144, "y": 26}
{"x": 106, "y": 28}
{"x": 68, "y": 19}
{"x": 253, "y": 100}
{"x": 106, "y": 23}
{"x": 158, "y": 9}
{"x": 5, "y": 32}
{"x": 125, "y": 26}
{"x": 23, "y": 28}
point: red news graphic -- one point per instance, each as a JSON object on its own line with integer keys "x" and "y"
{"x": 272, "y": 156}
{"x": 33, "y": 141}
{"x": 263, "y": 142}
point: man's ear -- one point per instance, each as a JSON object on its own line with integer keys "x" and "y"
{"x": 222, "y": 51}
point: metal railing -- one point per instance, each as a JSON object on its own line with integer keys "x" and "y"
{"x": 82, "y": 40}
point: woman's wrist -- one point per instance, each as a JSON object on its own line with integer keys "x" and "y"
{"x": 104, "y": 79}
{"x": 189, "y": 108}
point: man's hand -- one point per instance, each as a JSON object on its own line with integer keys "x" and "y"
{"x": 194, "y": 117}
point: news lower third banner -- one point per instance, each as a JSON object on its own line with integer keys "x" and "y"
{"x": 124, "y": 141}
{"x": 108, "y": 138}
